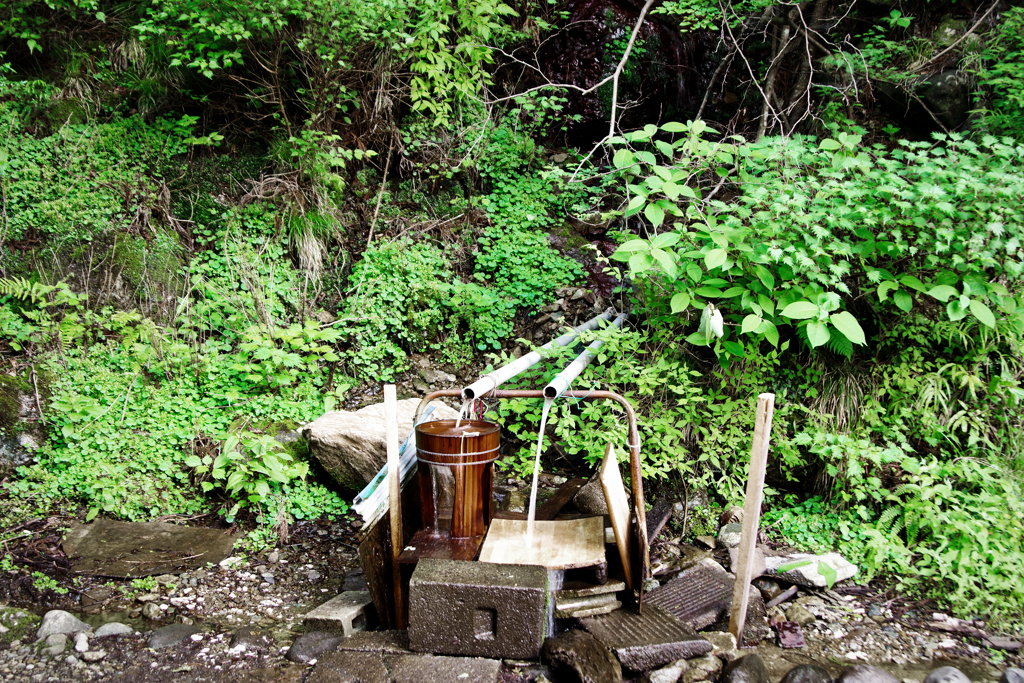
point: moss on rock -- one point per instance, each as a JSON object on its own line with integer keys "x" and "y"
{"x": 19, "y": 624}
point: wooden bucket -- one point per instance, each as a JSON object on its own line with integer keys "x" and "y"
{"x": 456, "y": 468}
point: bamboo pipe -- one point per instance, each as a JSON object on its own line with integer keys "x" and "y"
{"x": 492, "y": 380}
{"x": 562, "y": 380}
{"x": 640, "y": 521}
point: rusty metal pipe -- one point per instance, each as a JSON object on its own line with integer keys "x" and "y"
{"x": 634, "y": 456}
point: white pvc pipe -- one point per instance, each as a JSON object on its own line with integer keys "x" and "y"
{"x": 491, "y": 380}
{"x": 563, "y": 379}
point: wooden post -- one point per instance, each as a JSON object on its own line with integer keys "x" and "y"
{"x": 394, "y": 499}
{"x": 751, "y": 514}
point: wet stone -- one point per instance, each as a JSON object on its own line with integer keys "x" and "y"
{"x": 249, "y": 637}
{"x": 807, "y": 673}
{"x": 769, "y": 588}
{"x": 724, "y": 644}
{"x": 422, "y": 668}
{"x": 581, "y": 653}
{"x": 801, "y": 615}
{"x": 310, "y": 646}
{"x": 168, "y": 636}
{"x": 59, "y": 621}
{"x": 151, "y": 610}
{"x": 729, "y": 535}
{"x": 114, "y": 628}
{"x": 645, "y": 641}
{"x": 670, "y": 673}
{"x": 94, "y": 655}
{"x": 790, "y": 636}
{"x": 55, "y": 644}
{"x": 1012, "y": 675}
{"x": 349, "y": 667}
{"x": 746, "y": 669}
{"x": 947, "y": 674}
{"x": 1004, "y": 644}
{"x": 863, "y": 673}
{"x": 702, "y": 669}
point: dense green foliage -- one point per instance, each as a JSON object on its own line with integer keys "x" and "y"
{"x": 218, "y": 219}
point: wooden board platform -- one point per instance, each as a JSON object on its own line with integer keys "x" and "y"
{"x": 618, "y": 510}
{"x": 426, "y": 546}
{"x": 560, "y": 544}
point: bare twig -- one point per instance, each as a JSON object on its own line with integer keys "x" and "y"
{"x": 380, "y": 195}
{"x": 622, "y": 64}
{"x": 961, "y": 38}
{"x": 35, "y": 388}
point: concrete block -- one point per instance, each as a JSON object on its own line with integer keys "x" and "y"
{"x": 423, "y": 668}
{"x": 346, "y": 614}
{"x": 388, "y": 642}
{"x": 478, "y": 609}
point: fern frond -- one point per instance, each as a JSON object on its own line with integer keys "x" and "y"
{"x": 21, "y": 288}
{"x": 839, "y": 344}
{"x": 886, "y": 523}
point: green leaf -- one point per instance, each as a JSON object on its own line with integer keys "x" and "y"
{"x": 101, "y": 16}
{"x": 634, "y": 245}
{"x": 673, "y": 127}
{"x": 666, "y": 261}
{"x": 750, "y": 323}
{"x": 828, "y": 144}
{"x": 983, "y": 313}
{"x": 913, "y": 283}
{"x": 655, "y": 214}
{"x": 817, "y": 334}
{"x": 735, "y": 348}
{"x": 903, "y": 300}
{"x": 800, "y": 310}
{"x": 634, "y": 204}
{"x": 957, "y": 309}
{"x": 828, "y": 572}
{"x": 680, "y": 301}
{"x": 694, "y": 272}
{"x": 942, "y": 292}
{"x": 714, "y": 258}
{"x": 709, "y": 292}
{"x": 765, "y": 276}
{"x": 664, "y": 240}
{"x": 771, "y": 333}
{"x": 885, "y": 288}
{"x": 848, "y": 325}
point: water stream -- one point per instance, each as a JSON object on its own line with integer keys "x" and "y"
{"x": 536, "y": 472}
{"x": 462, "y": 413}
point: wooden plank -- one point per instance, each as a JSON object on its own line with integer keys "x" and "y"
{"x": 425, "y": 545}
{"x": 394, "y": 499}
{"x": 618, "y": 510}
{"x": 508, "y": 514}
{"x": 553, "y": 505}
{"x": 568, "y": 544}
{"x": 375, "y": 556}
{"x": 751, "y": 512}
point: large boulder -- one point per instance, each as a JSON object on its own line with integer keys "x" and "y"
{"x": 352, "y": 446}
{"x": 940, "y": 102}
